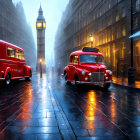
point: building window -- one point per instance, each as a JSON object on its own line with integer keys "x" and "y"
{"x": 117, "y": 16}
{"x": 118, "y": 1}
{"x": 117, "y": 34}
{"x": 123, "y": 50}
{"x": 90, "y": 7}
{"x": 112, "y": 35}
{"x": 109, "y": 5}
{"x": 100, "y": 11}
{"x": 123, "y": 12}
{"x": 136, "y": 21}
{"x": 137, "y": 5}
{"x": 123, "y": 30}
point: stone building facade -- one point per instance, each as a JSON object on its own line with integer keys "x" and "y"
{"x": 137, "y": 41}
{"x": 108, "y": 22}
{"x": 15, "y": 29}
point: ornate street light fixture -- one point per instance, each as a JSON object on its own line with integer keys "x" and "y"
{"x": 40, "y": 68}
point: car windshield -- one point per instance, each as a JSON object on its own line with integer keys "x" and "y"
{"x": 92, "y": 59}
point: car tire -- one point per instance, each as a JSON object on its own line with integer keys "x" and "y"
{"x": 30, "y": 76}
{"x": 106, "y": 86}
{"x": 76, "y": 84}
{"x": 65, "y": 77}
{"x": 8, "y": 79}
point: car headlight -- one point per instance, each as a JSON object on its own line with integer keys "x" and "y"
{"x": 90, "y": 74}
{"x": 83, "y": 72}
{"x": 110, "y": 73}
{"x": 106, "y": 78}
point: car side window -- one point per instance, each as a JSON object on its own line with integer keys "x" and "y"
{"x": 71, "y": 59}
{"x": 75, "y": 60}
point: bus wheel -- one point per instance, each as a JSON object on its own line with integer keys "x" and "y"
{"x": 8, "y": 79}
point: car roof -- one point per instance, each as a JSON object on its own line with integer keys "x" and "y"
{"x": 80, "y": 52}
{"x": 10, "y": 45}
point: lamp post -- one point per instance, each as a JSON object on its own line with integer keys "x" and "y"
{"x": 40, "y": 68}
{"x": 131, "y": 78}
{"x": 91, "y": 40}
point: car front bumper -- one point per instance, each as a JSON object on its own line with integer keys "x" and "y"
{"x": 94, "y": 83}
{"x": 2, "y": 79}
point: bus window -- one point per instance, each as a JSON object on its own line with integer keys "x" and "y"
{"x": 22, "y": 56}
{"x": 19, "y": 55}
{"x": 16, "y": 53}
{"x": 10, "y": 52}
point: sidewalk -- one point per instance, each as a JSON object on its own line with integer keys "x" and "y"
{"x": 124, "y": 82}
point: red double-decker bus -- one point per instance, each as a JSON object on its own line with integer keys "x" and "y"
{"x": 12, "y": 63}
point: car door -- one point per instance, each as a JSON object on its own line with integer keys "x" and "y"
{"x": 73, "y": 66}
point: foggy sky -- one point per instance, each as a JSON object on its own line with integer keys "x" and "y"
{"x": 52, "y": 11}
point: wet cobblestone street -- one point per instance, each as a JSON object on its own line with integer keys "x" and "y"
{"x": 47, "y": 108}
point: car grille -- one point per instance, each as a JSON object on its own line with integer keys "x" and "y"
{"x": 97, "y": 77}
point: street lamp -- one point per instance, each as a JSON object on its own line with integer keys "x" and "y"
{"x": 40, "y": 68}
{"x": 91, "y": 40}
{"x": 131, "y": 78}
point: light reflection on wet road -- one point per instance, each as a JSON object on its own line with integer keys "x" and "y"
{"x": 49, "y": 109}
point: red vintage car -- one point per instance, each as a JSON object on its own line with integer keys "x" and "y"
{"x": 12, "y": 63}
{"x": 87, "y": 67}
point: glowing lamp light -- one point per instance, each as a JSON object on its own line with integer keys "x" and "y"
{"x": 40, "y": 60}
{"x": 91, "y": 38}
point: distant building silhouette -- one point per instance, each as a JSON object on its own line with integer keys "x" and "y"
{"x": 15, "y": 29}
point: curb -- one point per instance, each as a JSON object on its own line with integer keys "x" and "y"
{"x": 127, "y": 87}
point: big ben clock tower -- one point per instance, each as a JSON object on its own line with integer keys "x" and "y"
{"x": 41, "y": 26}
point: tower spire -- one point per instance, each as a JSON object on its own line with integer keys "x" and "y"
{"x": 40, "y": 10}
{"x": 40, "y": 14}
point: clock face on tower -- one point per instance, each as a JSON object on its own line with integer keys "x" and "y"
{"x": 44, "y": 25}
{"x": 41, "y": 25}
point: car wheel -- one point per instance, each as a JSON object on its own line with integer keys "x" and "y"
{"x": 66, "y": 78}
{"x": 76, "y": 80}
{"x": 106, "y": 86}
{"x": 30, "y": 76}
{"x": 8, "y": 79}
